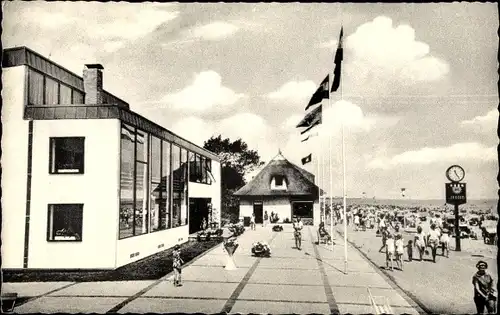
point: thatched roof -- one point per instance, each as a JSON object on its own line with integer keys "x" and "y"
{"x": 299, "y": 181}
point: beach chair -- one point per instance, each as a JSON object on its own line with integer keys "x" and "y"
{"x": 380, "y": 304}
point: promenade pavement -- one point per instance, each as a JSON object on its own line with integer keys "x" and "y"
{"x": 311, "y": 280}
{"x": 444, "y": 287}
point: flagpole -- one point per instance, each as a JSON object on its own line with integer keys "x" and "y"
{"x": 317, "y": 181}
{"x": 343, "y": 175}
{"x": 331, "y": 177}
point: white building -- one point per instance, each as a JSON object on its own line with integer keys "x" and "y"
{"x": 283, "y": 188}
{"x": 87, "y": 183}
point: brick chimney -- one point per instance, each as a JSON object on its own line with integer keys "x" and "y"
{"x": 92, "y": 83}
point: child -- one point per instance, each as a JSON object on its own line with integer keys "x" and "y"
{"x": 390, "y": 250}
{"x": 177, "y": 264}
{"x": 409, "y": 248}
{"x": 399, "y": 251}
{"x": 445, "y": 242}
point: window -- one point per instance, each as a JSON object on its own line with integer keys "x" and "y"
{"x": 141, "y": 199}
{"x": 77, "y": 97}
{"x": 177, "y": 186}
{"x": 165, "y": 221}
{"x": 65, "y": 222}
{"x": 208, "y": 169}
{"x": 155, "y": 184}
{"x": 127, "y": 162}
{"x": 35, "y": 88}
{"x": 184, "y": 192}
{"x": 65, "y": 94}
{"x": 67, "y": 155}
{"x": 278, "y": 180}
{"x": 51, "y": 91}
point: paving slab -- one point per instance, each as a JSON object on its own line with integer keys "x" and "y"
{"x": 283, "y": 263}
{"x": 71, "y": 305}
{"x": 29, "y": 289}
{"x": 368, "y": 309}
{"x": 104, "y": 288}
{"x": 295, "y": 293}
{"x": 278, "y": 276}
{"x": 221, "y": 260}
{"x": 371, "y": 279}
{"x": 350, "y": 295}
{"x": 193, "y": 290}
{"x": 265, "y": 307}
{"x": 173, "y": 305}
{"x": 352, "y": 266}
{"x": 212, "y": 274}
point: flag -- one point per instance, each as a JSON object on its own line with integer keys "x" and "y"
{"x": 307, "y": 159}
{"x": 311, "y": 119}
{"x": 339, "y": 56}
{"x": 309, "y": 136}
{"x": 321, "y": 92}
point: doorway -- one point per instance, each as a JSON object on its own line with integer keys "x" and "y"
{"x": 302, "y": 209}
{"x": 258, "y": 210}
{"x": 198, "y": 210}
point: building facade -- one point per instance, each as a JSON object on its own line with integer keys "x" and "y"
{"x": 283, "y": 188}
{"x": 87, "y": 183}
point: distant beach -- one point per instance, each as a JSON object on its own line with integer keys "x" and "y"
{"x": 473, "y": 203}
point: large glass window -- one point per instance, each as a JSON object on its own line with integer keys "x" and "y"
{"x": 65, "y": 222}
{"x": 208, "y": 170}
{"x": 155, "y": 185}
{"x": 67, "y": 155}
{"x": 77, "y": 97}
{"x": 177, "y": 188}
{"x": 127, "y": 181}
{"x": 35, "y": 88}
{"x": 51, "y": 91}
{"x": 65, "y": 94}
{"x": 142, "y": 146}
{"x": 141, "y": 199}
{"x": 184, "y": 184}
{"x": 165, "y": 220}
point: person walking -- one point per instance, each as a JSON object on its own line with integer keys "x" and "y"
{"x": 420, "y": 241}
{"x": 445, "y": 242}
{"x": 484, "y": 292}
{"x": 384, "y": 233}
{"x": 252, "y": 222}
{"x": 399, "y": 244}
{"x": 297, "y": 226}
{"x": 266, "y": 218}
{"x": 177, "y": 265}
{"x": 433, "y": 240}
{"x": 389, "y": 254}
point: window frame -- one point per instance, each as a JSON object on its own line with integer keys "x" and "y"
{"x": 50, "y": 207}
{"x": 51, "y": 157}
{"x": 44, "y": 87}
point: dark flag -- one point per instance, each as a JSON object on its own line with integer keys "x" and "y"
{"x": 307, "y": 159}
{"x": 321, "y": 92}
{"x": 312, "y": 118}
{"x": 339, "y": 56}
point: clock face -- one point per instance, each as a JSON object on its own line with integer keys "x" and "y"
{"x": 455, "y": 173}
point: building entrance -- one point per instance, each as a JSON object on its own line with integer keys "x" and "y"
{"x": 198, "y": 210}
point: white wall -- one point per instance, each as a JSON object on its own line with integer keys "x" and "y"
{"x": 279, "y": 205}
{"x": 14, "y": 166}
{"x": 212, "y": 191}
{"x": 97, "y": 189}
{"x": 316, "y": 213}
{"x": 148, "y": 244}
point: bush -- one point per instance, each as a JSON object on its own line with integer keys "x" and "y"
{"x": 286, "y": 220}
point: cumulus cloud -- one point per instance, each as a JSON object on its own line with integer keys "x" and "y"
{"x": 457, "y": 152}
{"x": 393, "y": 51}
{"x": 193, "y": 129}
{"x": 486, "y": 123}
{"x": 294, "y": 91}
{"x": 213, "y": 31}
{"x": 203, "y": 94}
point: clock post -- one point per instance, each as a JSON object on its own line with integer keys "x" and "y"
{"x": 456, "y": 195}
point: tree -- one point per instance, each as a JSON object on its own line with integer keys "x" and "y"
{"x": 236, "y": 160}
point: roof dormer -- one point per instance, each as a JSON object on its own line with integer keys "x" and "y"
{"x": 278, "y": 182}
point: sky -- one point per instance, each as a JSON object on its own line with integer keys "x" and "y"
{"x": 418, "y": 91}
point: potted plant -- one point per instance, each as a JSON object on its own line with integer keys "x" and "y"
{"x": 230, "y": 245}
{"x": 277, "y": 228}
{"x": 261, "y": 249}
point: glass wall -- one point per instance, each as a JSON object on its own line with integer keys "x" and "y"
{"x": 141, "y": 184}
{"x": 184, "y": 184}
{"x": 154, "y": 183}
{"x": 177, "y": 188}
{"x": 200, "y": 169}
{"x": 126, "y": 226}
